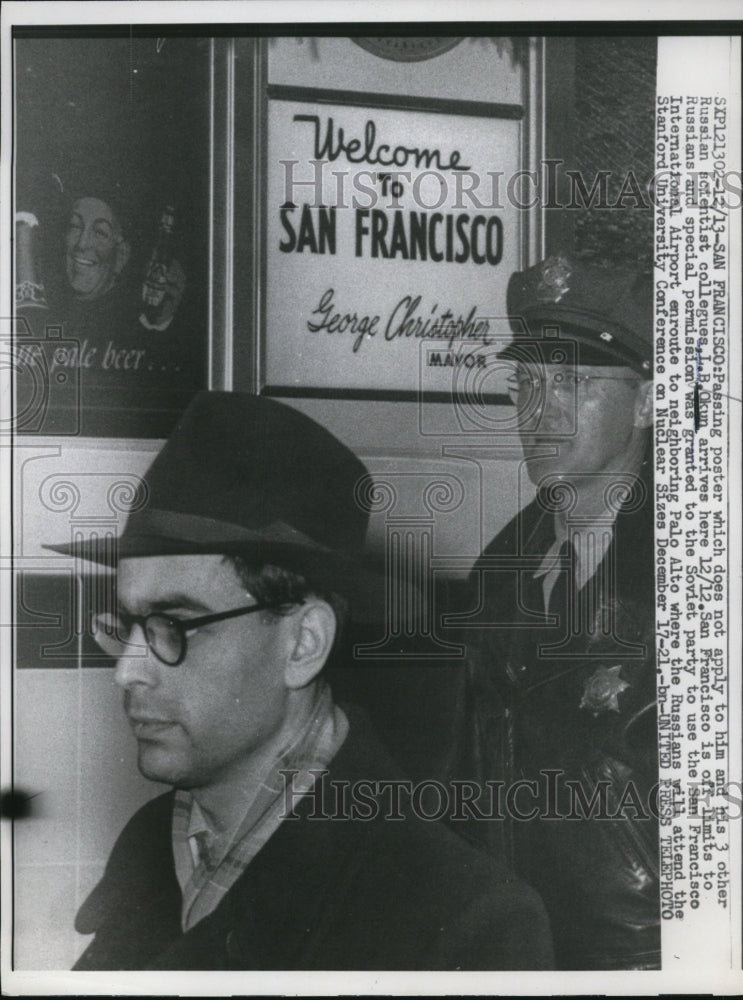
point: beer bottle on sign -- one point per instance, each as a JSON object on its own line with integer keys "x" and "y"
{"x": 155, "y": 282}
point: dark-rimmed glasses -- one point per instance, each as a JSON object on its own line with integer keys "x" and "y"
{"x": 166, "y": 636}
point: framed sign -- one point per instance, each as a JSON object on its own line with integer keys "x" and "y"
{"x": 391, "y": 228}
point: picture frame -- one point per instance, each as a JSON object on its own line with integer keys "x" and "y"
{"x": 369, "y": 203}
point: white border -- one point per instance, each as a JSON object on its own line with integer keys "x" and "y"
{"x": 37, "y": 12}
{"x": 33, "y": 13}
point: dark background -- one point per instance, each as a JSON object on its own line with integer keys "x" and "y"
{"x": 615, "y": 128}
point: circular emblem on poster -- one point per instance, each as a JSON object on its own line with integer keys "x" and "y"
{"x": 403, "y": 49}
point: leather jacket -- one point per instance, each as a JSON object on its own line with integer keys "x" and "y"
{"x": 571, "y": 706}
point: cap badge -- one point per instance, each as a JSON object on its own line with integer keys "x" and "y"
{"x": 606, "y": 336}
{"x": 601, "y": 691}
{"x": 553, "y": 281}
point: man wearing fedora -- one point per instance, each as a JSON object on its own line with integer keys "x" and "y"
{"x": 233, "y": 581}
{"x": 561, "y": 688}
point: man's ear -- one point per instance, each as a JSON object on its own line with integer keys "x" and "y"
{"x": 644, "y": 404}
{"x": 313, "y": 636}
{"x": 123, "y": 252}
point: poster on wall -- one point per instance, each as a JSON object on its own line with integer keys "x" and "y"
{"x": 390, "y": 238}
{"x": 109, "y": 271}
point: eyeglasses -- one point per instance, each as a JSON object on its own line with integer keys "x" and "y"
{"x": 166, "y": 637}
{"x": 561, "y": 384}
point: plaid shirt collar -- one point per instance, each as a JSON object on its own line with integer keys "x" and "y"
{"x": 207, "y": 866}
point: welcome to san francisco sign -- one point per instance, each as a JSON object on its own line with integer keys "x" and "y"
{"x": 391, "y": 235}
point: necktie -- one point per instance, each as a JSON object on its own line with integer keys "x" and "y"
{"x": 563, "y": 593}
{"x": 206, "y": 855}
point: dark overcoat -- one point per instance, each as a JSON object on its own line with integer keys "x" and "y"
{"x": 568, "y": 703}
{"x": 322, "y": 894}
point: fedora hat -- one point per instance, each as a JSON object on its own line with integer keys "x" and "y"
{"x": 246, "y": 475}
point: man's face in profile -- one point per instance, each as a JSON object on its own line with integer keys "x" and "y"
{"x": 198, "y": 723}
{"x": 95, "y": 251}
{"x": 594, "y": 416}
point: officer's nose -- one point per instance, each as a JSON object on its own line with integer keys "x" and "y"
{"x": 551, "y": 414}
{"x": 137, "y": 664}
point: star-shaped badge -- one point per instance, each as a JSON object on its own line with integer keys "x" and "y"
{"x": 601, "y": 691}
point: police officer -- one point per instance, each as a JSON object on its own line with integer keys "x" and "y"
{"x": 562, "y": 655}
